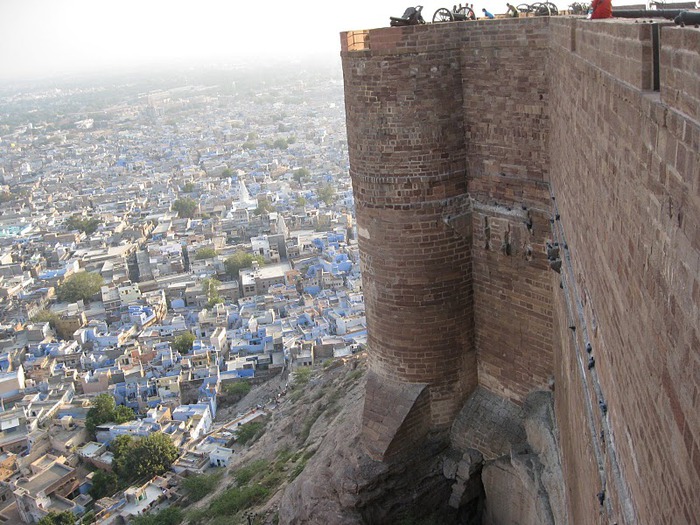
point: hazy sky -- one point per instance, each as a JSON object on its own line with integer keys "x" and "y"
{"x": 60, "y": 35}
{"x": 53, "y": 36}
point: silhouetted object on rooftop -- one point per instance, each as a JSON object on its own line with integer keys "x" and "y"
{"x": 687, "y": 18}
{"x": 674, "y": 5}
{"x": 457, "y": 14}
{"x": 668, "y": 14}
{"x": 411, "y": 17}
{"x": 539, "y": 9}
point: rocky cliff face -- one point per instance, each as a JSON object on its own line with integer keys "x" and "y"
{"x": 499, "y": 463}
{"x": 461, "y": 480}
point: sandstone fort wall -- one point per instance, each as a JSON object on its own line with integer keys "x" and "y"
{"x": 476, "y": 146}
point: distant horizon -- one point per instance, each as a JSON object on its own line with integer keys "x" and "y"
{"x": 45, "y": 38}
{"x": 42, "y": 39}
{"x": 118, "y": 73}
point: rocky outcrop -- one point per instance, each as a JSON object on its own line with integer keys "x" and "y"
{"x": 343, "y": 485}
{"x": 514, "y": 490}
{"x": 525, "y": 486}
{"x": 542, "y": 437}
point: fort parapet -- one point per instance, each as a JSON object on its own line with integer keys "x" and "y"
{"x": 528, "y": 203}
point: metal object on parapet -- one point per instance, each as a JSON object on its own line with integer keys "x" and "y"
{"x": 458, "y": 14}
{"x": 668, "y": 14}
{"x": 411, "y": 17}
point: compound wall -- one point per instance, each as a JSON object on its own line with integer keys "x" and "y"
{"x": 474, "y": 146}
{"x": 624, "y": 169}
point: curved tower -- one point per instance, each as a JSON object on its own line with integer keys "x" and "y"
{"x": 407, "y": 163}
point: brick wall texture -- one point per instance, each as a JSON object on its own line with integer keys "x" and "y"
{"x": 538, "y": 132}
{"x": 625, "y": 171}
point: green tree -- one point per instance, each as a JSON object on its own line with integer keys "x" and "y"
{"x": 120, "y": 445}
{"x": 188, "y": 187}
{"x": 237, "y": 389}
{"x": 327, "y": 194}
{"x": 103, "y": 484}
{"x": 58, "y": 518}
{"x": 263, "y": 207}
{"x": 120, "y": 448}
{"x": 185, "y": 207}
{"x": 87, "y": 225}
{"x": 151, "y": 456}
{"x": 210, "y": 287}
{"x": 183, "y": 343}
{"x": 301, "y": 201}
{"x": 280, "y": 143}
{"x": 250, "y": 432}
{"x": 227, "y": 173}
{"x": 240, "y": 260}
{"x": 300, "y": 174}
{"x": 206, "y": 252}
{"x": 301, "y": 377}
{"x": 102, "y": 411}
{"x": 122, "y": 414}
{"x": 6, "y": 196}
{"x": 79, "y": 286}
{"x": 46, "y": 316}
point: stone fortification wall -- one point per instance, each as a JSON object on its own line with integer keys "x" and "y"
{"x": 406, "y": 135}
{"x": 506, "y": 122}
{"x": 475, "y": 145}
{"x": 414, "y": 97}
{"x": 625, "y": 172}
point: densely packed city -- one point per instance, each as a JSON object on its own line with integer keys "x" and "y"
{"x": 163, "y": 246}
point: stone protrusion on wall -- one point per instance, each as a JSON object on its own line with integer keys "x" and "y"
{"x": 396, "y": 417}
{"x": 488, "y": 423}
{"x": 543, "y": 437}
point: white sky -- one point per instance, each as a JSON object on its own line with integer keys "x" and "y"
{"x": 43, "y": 37}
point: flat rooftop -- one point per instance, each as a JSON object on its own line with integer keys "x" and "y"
{"x": 43, "y": 480}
